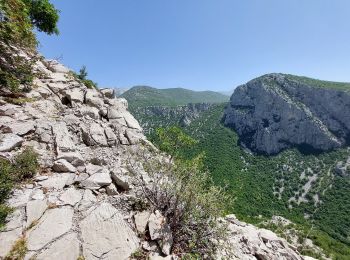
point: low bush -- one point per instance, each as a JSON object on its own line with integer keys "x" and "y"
{"x": 185, "y": 195}
{"x": 23, "y": 167}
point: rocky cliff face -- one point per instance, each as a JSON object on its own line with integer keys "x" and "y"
{"x": 277, "y": 111}
{"x": 82, "y": 203}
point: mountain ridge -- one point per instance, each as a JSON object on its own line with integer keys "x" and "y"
{"x": 149, "y": 96}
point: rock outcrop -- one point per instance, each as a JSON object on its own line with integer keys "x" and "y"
{"x": 278, "y": 111}
{"x": 82, "y": 202}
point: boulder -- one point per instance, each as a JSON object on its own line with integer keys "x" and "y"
{"x": 97, "y": 180}
{"x": 62, "y": 165}
{"x": 63, "y": 140}
{"x": 141, "y": 221}
{"x": 131, "y": 121}
{"x": 10, "y": 141}
{"x": 108, "y": 92}
{"x": 121, "y": 178}
{"x": 92, "y": 112}
{"x": 94, "y": 134}
{"x": 111, "y": 190}
{"x": 106, "y": 235}
{"x": 75, "y": 95}
{"x": 92, "y": 98}
{"x": 159, "y": 230}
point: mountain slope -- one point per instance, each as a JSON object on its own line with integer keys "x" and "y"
{"x": 277, "y": 111}
{"x": 305, "y": 188}
{"x": 142, "y": 96}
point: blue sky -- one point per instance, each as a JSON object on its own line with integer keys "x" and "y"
{"x": 201, "y": 44}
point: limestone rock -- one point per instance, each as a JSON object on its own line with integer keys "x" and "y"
{"x": 94, "y": 135}
{"x": 159, "y": 230}
{"x": 8, "y": 239}
{"x": 131, "y": 121}
{"x": 108, "y": 92}
{"x": 111, "y": 189}
{"x": 97, "y": 180}
{"x": 22, "y": 128}
{"x": 62, "y": 165}
{"x": 121, "y": 178}
{"x": 141, "y": 221}
{"x": 10, "y": 141}
{"x": 92, "y": 98}
{"x": 75, "y": 95}
{"x": 88, "y": 200}
{"x": 57, "y": 181}
{"x": 53, "y": 224}
{"x": 35, "y": 209}
{"x": 105, "y": 234}
{"x": 92, "y": 112}
{"x": 67, "y": 248}
{"x": 63, "y": 140}
{"x": 71, "y": 196}
{"x": 276, "y": 111}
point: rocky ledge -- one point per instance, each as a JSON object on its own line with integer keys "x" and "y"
{"x": 277, "y": 111}
{"x": 82, "y": 204}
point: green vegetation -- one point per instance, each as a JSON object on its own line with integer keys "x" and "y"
{"x": 23, "y": 167}
{"x": 320, "y": 83}
{"x": 184, "y": 193}
{"x": 263, "y": 186}
{"x": 143, "y": 96}
{"x": 82, "y": 77}
{"x": 18, "y": 20}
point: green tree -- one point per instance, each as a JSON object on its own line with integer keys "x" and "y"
{"x": 18, "y": 20}
{"x": 83, "y": 73}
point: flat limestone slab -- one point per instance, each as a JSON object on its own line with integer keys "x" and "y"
{"x": 106, "y": 235}
{"x": 53, "y": 224}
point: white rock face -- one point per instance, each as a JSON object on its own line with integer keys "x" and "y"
{"x": 53, "y": 224}
{"x": 105, "y": 234}
{"x": 9, "y": 141}
{"x": 66, "y": 248}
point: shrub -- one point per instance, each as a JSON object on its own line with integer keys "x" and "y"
{"x": 24, "y": 166}
{"x": 18, "y": 250}
{"x": 184, "y": 193}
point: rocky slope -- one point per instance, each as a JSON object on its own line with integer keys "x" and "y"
{"x": 82, "y": 201}
{"x": 277, "y": 111}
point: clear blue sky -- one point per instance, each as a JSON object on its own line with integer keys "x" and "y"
{"x": 201, "y": 44}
